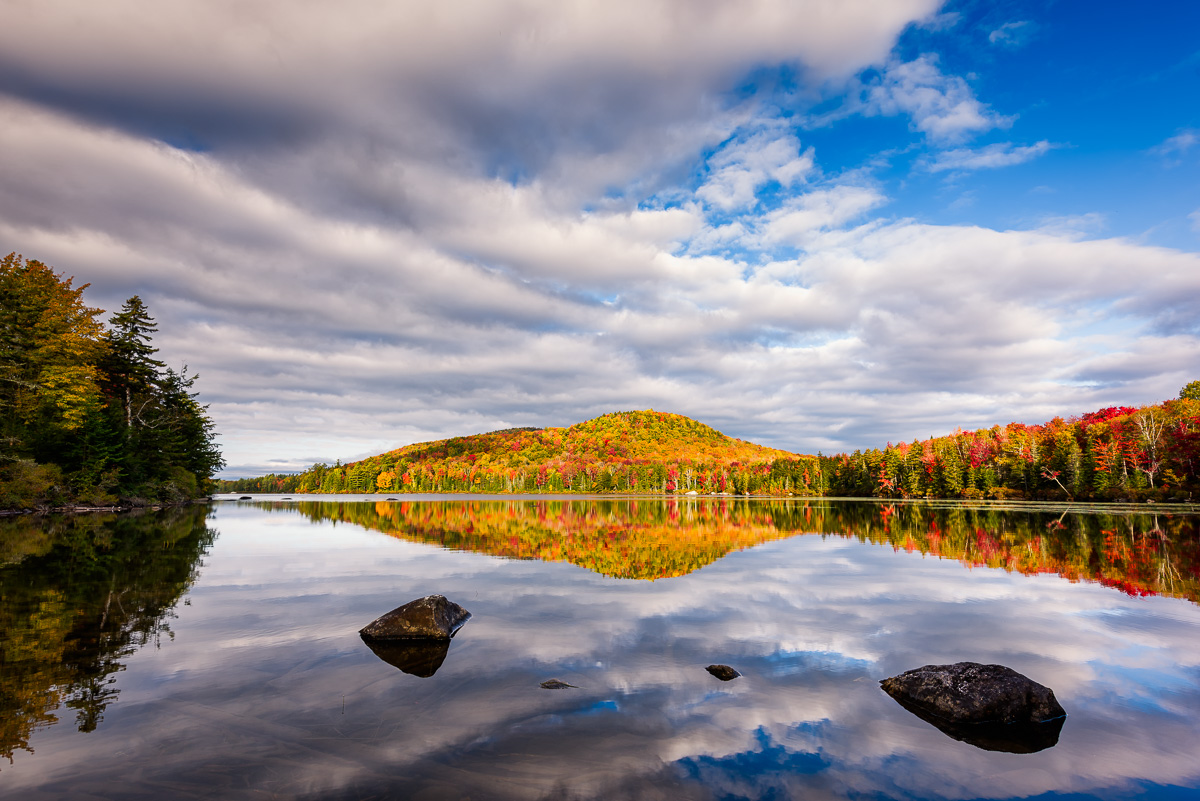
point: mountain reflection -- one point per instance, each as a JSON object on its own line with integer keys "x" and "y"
{"x": 1138, "y": 554}
{"x": 77, "y": 595}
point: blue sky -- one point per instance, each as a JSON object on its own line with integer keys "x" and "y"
{"x": 818, "y": 225}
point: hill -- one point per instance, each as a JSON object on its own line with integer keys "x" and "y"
{"x": 639, "y": 452}
{"x": 1114, "y": 454}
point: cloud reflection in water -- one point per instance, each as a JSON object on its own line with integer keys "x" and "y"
{"x": 249, "y": 697}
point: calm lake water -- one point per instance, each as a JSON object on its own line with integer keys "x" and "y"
{"x": 213, "y": 652}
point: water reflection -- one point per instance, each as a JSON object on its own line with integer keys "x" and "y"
{"x": 268, "y": 690}
{"x": 1010, "y": 738}
{"x": 1138, "y": 554}
{"x": 78, "y": 595}
{"x": 416, "y": 657}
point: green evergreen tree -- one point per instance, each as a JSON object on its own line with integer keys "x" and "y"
{"x": 88, "y": 414}
{"x": 131, "y": 367}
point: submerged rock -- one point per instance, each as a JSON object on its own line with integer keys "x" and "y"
{"x": 555, "y": 684}
{"x": 989, "y": 706}
{"x": 429, "y": 618}
{"x": 420, "y": 658}
{"x": 723, "y": 672}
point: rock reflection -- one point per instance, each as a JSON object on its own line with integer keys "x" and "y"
{"x": 420, "y": 658}
{"x": 1011, "y": 738}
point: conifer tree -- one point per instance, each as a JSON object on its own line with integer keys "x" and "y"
{"x": 131, "y": 366}
{"x": 90, "y": 414}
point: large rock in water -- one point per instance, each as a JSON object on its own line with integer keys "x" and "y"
{"x": 429, "y": 618}
{"x": 989, "y": 706}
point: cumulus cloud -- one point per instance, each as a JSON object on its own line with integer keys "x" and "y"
{"x": 990, "y": 157}
{"x": 388, "y": 224}
{"x": 819, "y": 210}
{"x": 740, "y": 169}
{"x": 941, "y": 106}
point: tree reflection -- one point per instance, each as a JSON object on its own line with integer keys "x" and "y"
{"x": 1138, "y": 554}
{"x": 78, "y": 595}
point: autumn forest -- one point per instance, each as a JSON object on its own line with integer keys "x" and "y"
{"x": 88, "y": 415}
{"x": 1119, "y": 453}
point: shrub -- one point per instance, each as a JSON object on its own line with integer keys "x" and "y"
{"x": 25, "y": 484}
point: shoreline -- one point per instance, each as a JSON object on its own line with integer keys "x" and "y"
{"x": 1118, "y": 507}
{"x": 71, "y": 509}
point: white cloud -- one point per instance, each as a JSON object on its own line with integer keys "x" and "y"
{"x": 943, "y": 107}
{"x": 818, "y": 210}
{"x": 994, "y": 156}
{"x": 1195, "y": 218}
{"x": 1074, "y": 226}
{"x": 1012, "y": 34}
{"x": 408, "y": 223}
{"x": 321, "y": 338}
{"x": 941, "y": 22}
{"x": 1177, "y": 146}
{"x": 741, "y": 168}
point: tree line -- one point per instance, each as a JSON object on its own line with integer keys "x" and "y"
{"x": 1117, "y": 453}
{"x": 88, "y": 415}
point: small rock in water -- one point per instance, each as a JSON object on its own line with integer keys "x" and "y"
{"x": 432, "y": 617}
{"x": 555, "y": 684}
{"x": 245, "y": 498}
{"x": 723, "y": 672}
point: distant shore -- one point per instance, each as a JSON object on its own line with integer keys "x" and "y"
{"x": 1126, "y": 507}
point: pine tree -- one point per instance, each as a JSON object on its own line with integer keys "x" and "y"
{"x": 131, "y": 366}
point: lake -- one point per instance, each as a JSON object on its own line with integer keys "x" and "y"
{"x": 213, "y": 651}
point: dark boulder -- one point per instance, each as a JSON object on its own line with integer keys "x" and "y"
{"x": 420, "y": 658}
{"x": 555, "y": 684}
{"x": 990, "y": 706}
{"x": 429, "y": 618}
{"x": 723, "y": 672}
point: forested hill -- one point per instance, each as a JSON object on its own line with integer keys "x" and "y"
{"x": 643, "y": 451}
{"x": 1118, "y": 454}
